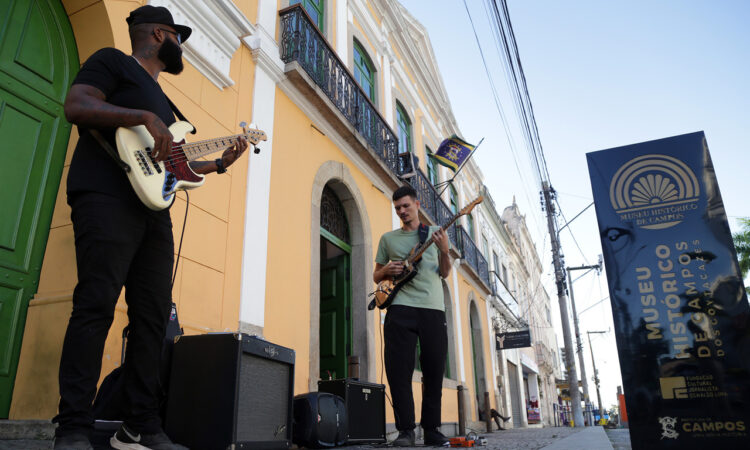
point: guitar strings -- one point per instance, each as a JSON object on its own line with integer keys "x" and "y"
{"x": 201, "y": 151}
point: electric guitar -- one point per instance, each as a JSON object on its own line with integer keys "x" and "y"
{"x": 389, "y": 288}
{"x": 157, "y": 183}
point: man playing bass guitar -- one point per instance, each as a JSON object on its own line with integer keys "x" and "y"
{"x": 417, "y": 312}
{"x": 118, "y": 240}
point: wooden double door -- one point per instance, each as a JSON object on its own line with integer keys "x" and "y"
{"x": 38, "y": 59}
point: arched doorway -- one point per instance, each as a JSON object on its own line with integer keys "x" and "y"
{"x": 477, "y": 352}
{"x": 335, "y": 287}
{"x": 38, "y": 59}
{"x": 335, "y": 176}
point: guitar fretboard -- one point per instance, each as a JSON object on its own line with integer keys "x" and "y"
{"x": 198, "y": 149}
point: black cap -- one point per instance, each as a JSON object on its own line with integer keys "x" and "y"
{"x": 157, "y": 14}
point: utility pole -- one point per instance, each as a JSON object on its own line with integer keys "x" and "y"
{"x": 579, "y": 344}
{"x": 596, "y": 374}
{"x": 575, "y": 396}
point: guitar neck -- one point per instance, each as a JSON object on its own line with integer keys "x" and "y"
{"x": 431, "y": 240}
{"x": 198, "y": 149}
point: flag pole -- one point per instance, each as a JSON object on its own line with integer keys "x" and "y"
{"x": 445, "y": 184}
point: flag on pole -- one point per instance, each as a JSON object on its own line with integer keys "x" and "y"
{"x": 453, "y": 152}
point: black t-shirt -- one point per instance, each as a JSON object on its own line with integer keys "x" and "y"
{"x": 124, "y": 83}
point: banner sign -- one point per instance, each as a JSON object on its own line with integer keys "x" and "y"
{"x": 513, "y": 339}
{"x": 681, "y": 314}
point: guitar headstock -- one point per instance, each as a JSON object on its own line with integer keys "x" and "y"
{"x": 253, "y": 135}
{"x": 467, "y": 209}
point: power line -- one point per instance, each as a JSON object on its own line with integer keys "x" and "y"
{"x": 499, "y": 107}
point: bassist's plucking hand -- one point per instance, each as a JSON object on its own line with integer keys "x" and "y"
{"x": 163, "y": 138}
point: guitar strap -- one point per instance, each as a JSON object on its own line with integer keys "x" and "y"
{"x": 423, "y": 231}
{"x": 113, "y": 153}
{"x": 179, "y": 114}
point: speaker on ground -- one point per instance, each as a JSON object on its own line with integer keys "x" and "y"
{"x": 230, "y": 389}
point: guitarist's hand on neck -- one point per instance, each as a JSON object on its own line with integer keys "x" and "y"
{"x": 407, "y": 209}
{"x": 443, "y": 244}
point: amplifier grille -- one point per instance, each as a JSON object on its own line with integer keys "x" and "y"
{"x": 263, "y": 399}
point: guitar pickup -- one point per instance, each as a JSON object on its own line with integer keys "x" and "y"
{"x": 153, "y": 162}
{"x": 143, "y": 162}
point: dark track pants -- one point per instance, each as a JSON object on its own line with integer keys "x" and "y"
{"x": 117, "y": 244}
{"x": 403, "y": 326}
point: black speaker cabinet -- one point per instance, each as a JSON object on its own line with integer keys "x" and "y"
{"x": 230, "y": 391}
{"x": 365, "y": 408}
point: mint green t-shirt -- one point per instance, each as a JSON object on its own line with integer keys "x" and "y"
{"x": 425, "y": 290}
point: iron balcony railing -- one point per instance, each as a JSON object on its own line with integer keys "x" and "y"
{"x": 432, "y": 205}
{"x": 301, "y": 41}
{"x": 499, "y": 290}
{"x": 471, "y": 254}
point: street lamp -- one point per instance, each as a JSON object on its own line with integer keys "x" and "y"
{"x": 596, "y": 374}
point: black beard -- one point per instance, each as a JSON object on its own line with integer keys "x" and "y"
{"x": 170, "y": 54}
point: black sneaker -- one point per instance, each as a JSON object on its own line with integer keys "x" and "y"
{"x": 405, "y": 439}
{"x": 126, "y": 439}
{"x": 435, "y": 438}
{"x": 73, "y": 442}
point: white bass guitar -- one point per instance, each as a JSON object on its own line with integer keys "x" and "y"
{"x": 156, "y": 183}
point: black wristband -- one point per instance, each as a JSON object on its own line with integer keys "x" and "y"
{"x": 220, "y": 166}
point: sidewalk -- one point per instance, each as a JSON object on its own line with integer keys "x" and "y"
{"x": 593, "y": 438}
{"x": 37, "y": 435}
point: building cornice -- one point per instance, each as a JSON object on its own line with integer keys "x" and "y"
{"x": 217, "y": 27}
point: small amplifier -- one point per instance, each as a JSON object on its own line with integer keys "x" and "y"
{"x": 230, "y": 391}
{"x": 365, "y": 408}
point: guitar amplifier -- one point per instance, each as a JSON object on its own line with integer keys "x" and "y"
{"x": 230, "y": 391}
{"x": 365, "y": 408}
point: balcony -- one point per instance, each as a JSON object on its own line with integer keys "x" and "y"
{"x": 500, "y": 291}
{"x": 474, "y": 258}
{"x": 315, "y": 69}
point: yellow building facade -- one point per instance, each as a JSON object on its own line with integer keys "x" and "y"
{"x": 351, "y": 99}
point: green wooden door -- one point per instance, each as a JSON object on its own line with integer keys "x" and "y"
{"x": 477, "y": 356}
{"x": 38, "y": 60}
{"x": 335, "y": 307}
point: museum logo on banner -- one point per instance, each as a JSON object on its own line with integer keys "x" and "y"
{"x": 654, "y": 191}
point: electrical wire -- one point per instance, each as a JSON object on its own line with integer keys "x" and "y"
{"x": 182, "y": 235}
{"x": 499, "y": 107}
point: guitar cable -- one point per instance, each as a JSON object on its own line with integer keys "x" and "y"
{"x": 182, "y": 235}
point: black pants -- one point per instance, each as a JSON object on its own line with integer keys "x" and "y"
{"x": 403, "y": 326}
{"x": 117, "y": 244}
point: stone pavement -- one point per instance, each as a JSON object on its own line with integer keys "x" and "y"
{"x": 543, "y": 438}
{"x": 38, "y": 436}
{"x": 620, "y": 438}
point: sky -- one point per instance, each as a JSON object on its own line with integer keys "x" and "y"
{"x": 600, "y": 75}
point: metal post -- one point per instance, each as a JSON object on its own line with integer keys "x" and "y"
{"x": 579, "y": 347}
{"x": 353, "y": 367}
{"x": 487, "y": 412}
{"x": 575, "y": 395}
{"x": 579, "y": 344}
{"x": 570, "y": 364}
{"x": 461, "y": 411}
{"x": 596, "y": 374}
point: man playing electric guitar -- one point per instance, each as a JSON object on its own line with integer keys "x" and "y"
{"x": 119, "y": 241}
{"x": 417, "y": 312}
